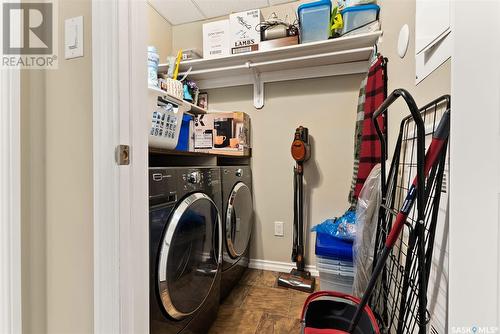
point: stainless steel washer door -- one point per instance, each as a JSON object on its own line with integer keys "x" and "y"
{"x": 239, "y": 219}
{"x": 190, "y": 256}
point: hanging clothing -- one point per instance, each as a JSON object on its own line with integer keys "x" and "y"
{"x": 360, "y": 116}
{"x": 367, "y": 152}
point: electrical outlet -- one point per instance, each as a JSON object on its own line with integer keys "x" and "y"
{"x": 279, "y": 229}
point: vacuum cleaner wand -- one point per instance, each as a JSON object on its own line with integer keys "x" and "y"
{"x": 299, "y": 278}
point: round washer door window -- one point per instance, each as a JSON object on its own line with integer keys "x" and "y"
{"x": 239, "y": 220}
{"x": 190, "y": 256}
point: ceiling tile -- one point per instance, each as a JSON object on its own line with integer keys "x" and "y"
{"x": 177, "y": 11}
{"x": 214, "y": 8}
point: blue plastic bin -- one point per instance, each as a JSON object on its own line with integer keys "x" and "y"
{"x": 314, "y": 18}
{"x": 358, "y": 16}
{"x": 183, "y": 141}
{"x": 335, "y": 248}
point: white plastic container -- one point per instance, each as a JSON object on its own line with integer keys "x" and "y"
{"x": 335, "y": 275}
{"x": 153, "y": 61}
{"x": 358, "y": 16}
{"x": 332, "y": 264}
{"x": 166, "y": 125}
{"x": 336, "y": 280}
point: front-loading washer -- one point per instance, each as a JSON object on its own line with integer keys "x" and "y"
{"x": 185, "y": 249}
{"x": 238, "y": 219}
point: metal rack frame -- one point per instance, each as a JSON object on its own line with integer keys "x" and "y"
{"x": 400, "y": 299}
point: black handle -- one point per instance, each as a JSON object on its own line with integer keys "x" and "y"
{"x": 415, "y": 114}
{"x": 383, "y": 108}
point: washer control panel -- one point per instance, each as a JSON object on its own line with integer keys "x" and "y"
{"x": 194, "y": 177}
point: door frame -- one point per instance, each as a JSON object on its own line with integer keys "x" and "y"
{"x": 474, "y": 146}
{"x": 120, "y": 97}
{"x": 120, "y": 193}
{"x": 10, "y": 201}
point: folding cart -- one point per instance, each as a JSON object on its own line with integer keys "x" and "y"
{"x": 395, "y": 300}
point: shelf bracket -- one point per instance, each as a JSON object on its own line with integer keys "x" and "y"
{"x": 258, "y": 90}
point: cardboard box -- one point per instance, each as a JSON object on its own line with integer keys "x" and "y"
{"x": 244, "y": 37}
{"x": 222, "y": 131}
{"x": 203, "y": 132}
{"x": 216, "y": 39}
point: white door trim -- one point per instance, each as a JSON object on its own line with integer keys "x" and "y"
{"x": 121, "y": 267}
{"x": 106, "y": 174}
{"x": 10, "y": 202}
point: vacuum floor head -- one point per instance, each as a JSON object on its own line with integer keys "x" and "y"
{"x": 298, "y": 280}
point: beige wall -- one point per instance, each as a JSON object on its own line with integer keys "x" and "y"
{"x": 159, "y": 33}
{"x": 394, "y": 14}
{"x": 327, "y": 106}
{"x": 33, "y": 241}
{"x": 69, "y": 184}
{"x": 57, "y": 190}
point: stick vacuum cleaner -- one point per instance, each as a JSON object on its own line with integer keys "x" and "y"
{"x": 299, "y": 278}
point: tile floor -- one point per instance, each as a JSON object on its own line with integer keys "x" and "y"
{"x": 257, "y": 305}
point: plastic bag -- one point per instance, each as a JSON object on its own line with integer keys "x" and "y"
{"x": 343, "y": 227}
{"x": 367, "y": 209}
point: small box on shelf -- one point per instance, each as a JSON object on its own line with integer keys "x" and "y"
{"x": 216, "y": 39}
{"x": 244, "y": 31}
{"x": 222, "y": 132}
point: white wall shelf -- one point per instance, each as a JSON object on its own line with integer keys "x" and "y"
{"x": 339, "y": 56}
{"x": 187, "y": 106}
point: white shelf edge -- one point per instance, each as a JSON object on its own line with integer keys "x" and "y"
{"x": 340, "y": 56}
{"x": 187, "y": 106}
{"x": 258, "y": 65}
{"x": 284, "y": 50}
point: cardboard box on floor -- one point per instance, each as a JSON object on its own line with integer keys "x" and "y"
{"x": 207, "y": 136}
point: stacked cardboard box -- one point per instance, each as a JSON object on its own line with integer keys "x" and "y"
{"x": 239, "y": 34}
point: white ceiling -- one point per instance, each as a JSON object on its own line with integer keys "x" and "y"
{"x": 184, "y": 11}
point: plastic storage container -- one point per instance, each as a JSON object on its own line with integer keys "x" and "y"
{"x": 329, "y": 246}
{"x": 358, "y": 16}
{"x": 314, "y": 21}
{"x": 349, "y": 3}
{"x": 331, "y": 279}
{"x": 334, "y": 264}
{"x": 153, "y": 61}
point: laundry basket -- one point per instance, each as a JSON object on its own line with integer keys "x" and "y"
{"x": 325, "y": 310}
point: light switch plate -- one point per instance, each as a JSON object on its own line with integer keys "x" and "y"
{"x": 279, "y": 229}
{"x": 73, "y": 37}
